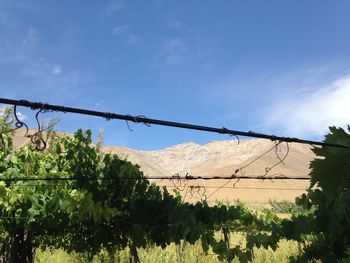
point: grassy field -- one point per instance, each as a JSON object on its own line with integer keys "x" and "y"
{"x": 193, "y": 254}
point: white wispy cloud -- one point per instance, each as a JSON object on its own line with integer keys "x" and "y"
{"x": 175, "y": 24}
{"x": 36, "y": 68}
{"x": 20, "y": 115}
{"x": 8, "y": 8}
{"x": 31, "y": 37}
{"x": 120, "y": 29}
{"x": 173, "y": 50}
{"x": 56, "y": 70}
{"x": 310, "y": 113}
{"x": 113, "y": 6}
{"x": 297, "y": 103}
{"x": 125, "y": 34}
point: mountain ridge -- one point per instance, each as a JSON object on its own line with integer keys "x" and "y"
{"x": 222, "y": 158}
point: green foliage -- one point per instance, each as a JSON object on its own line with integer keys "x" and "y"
{"x": 324, "y": 225}
{"x": 330, "y": 173}
{"x": 110, "y": 206}
{"x": 331, "y": 170}
{"x": 321, "y": 218}
{"x": 287, "y": 207}
{"x": 64, "y": 213}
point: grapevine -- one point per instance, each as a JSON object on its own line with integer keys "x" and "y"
{"x": 104, "y": 211}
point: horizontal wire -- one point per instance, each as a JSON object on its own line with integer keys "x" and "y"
{"x": 187, "y": 186}
{"x": 240, "y": 187}
{"x": 119, "y": 221}
{"x": 248, "y": 177}
{"x": 239, "y": 201}
{"x": 148, "y": 122}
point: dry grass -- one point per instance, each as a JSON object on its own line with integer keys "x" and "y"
{"x": 193, "y": 254}
{"x": 254, "y": 193}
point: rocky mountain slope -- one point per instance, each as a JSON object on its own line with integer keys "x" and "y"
{"x": 220, "y": 158}
{"x": 223, "y": 158}
{"x": 214, "y": 158}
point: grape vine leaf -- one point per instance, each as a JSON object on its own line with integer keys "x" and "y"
{"x": 331, "y": 170}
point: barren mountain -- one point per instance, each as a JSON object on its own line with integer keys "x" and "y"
{"x": 223, "y": 158}
{"x": 220, "y": 158}
{"x": 215, "y": 158}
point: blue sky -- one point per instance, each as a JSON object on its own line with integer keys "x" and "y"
{"x": 280, "y": 67}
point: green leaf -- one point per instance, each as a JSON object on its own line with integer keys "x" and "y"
{"x": 331, "y": 170}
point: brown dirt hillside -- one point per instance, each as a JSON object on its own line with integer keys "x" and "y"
{"x": 221, "y": 158}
